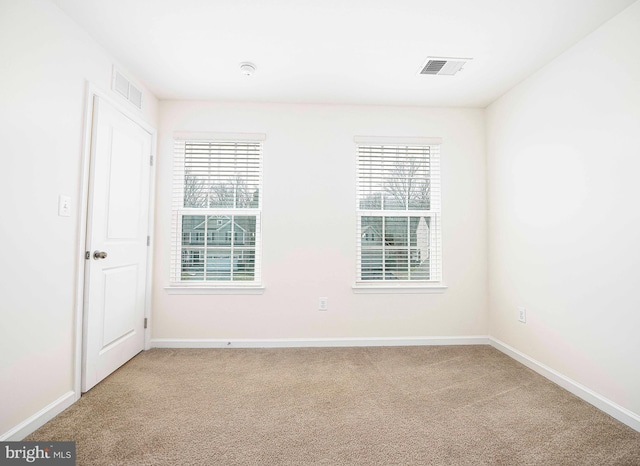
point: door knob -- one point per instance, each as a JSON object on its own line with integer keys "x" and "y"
{"x": 99, "y": 255}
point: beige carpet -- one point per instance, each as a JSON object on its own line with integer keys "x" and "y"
{"x": 458, "y": 405}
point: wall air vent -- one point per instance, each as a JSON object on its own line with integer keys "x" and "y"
{"x": 442, "y": 66}
{"x": 121, "y": 85}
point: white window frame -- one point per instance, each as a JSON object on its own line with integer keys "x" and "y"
{"x": 179, "y": 286}
{"x": 435, "y": 284}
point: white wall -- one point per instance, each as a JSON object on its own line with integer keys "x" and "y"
{"x": 564, "y": 217}
{"x": 309, "y": 227}
{"x": 46, "y": 60}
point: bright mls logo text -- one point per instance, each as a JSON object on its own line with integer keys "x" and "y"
{"x": 30, "y": 452}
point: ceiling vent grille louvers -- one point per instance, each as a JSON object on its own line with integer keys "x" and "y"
{"x": 126, "y": 89}
{"x": 443, "y": 66}
{"x": 433, "y": 66}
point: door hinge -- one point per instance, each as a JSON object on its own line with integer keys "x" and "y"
{"x": 148, "y": 240}
{"x": 87, "y": 255}
{"x": 145, "y": 322}
{"x": 151, "y": 160}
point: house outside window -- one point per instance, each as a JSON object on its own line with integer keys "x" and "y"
{"x": 398, "y": 212}
{"x": 217, "y": 210}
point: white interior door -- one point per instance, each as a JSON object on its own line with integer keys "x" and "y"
{"x": 117, "y": 229}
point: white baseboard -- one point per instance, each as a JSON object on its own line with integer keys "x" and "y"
{"x": 40, "y": 418}
{"x": 612, "y": 409}
{"x": 317, "y": 342}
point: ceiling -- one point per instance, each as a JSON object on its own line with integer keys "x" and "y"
{"x": 336, "y": 51}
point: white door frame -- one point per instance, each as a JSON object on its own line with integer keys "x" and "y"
{"x": 91, "y": 91}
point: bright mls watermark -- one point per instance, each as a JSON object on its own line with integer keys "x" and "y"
{"x": 38, "y": 453}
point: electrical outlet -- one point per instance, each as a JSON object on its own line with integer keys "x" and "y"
{"x": 522, "y": 314}
{"x": 323, "y": 304}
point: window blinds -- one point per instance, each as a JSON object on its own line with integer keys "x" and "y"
{"x": 398, "y": 206}
{"x": 216, "y": 211}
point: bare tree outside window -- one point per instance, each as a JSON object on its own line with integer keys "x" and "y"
{"x": 195, "y": 191}
{"x": 408, "y": 185}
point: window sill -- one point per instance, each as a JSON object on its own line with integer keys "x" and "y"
{"x": 199, "y": 289}
{"x": 398, "y": 289}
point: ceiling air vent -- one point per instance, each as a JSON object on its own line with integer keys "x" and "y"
{"x": 126, "y": 89}
{"x": 443, "y": 66}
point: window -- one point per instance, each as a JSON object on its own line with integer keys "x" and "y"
{"x": 216, "y": 210}
{"x": 398, "y": 212}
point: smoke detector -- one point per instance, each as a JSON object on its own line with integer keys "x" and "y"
{"x": 247, "y": 68}
{"x": 443, "y": 66}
